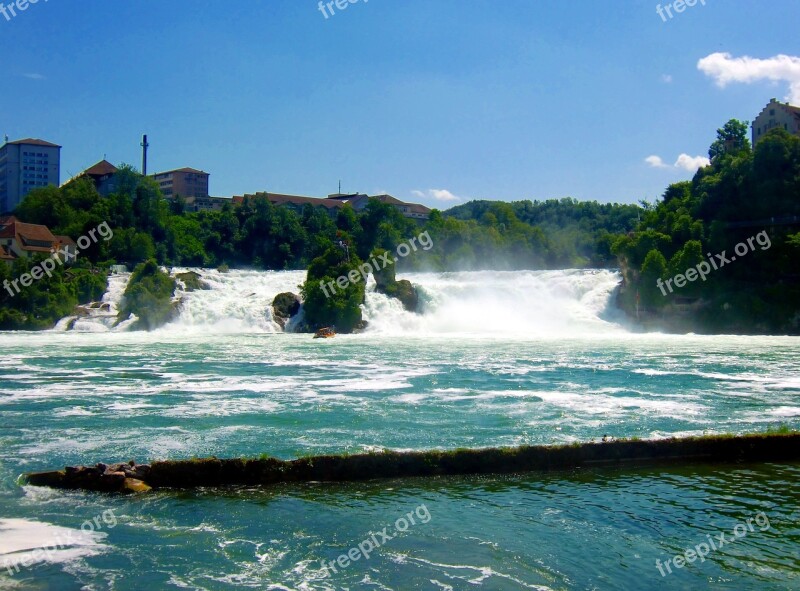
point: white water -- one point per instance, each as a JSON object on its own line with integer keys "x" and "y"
{"x": 238, "y": 301}
{"x": 101, "y": 319}
{"x": 509, "y": 302}
{"x": 522, "y": 302}
{"x": 25, "y": 542}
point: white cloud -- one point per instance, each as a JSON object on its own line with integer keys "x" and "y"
{"x": 666, "y": 78}
{"x": 34, "y": 76}
{"x": 655, "y": 162}
{"x": 691, "y": 164}
{"x": 726, "y": 69}
{"x": 437, "y": 194}
{"x": 684, "y": 162}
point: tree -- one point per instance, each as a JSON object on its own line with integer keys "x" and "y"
{"x": 653, "y": 270}
{"x": 731, "y": 138}
{"x": 326, "y": 301}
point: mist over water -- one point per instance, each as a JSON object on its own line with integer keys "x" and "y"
{"x": 536, "y": 303}
{"x": 487, "y": 302}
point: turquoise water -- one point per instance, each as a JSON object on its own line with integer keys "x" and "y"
{"x": 71, "y": 398}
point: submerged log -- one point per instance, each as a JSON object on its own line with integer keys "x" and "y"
{"x": 213, "y": 472}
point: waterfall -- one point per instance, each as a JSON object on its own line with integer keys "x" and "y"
{"x": 495, "y": 302}
{"x": 502, "y": 302}
{"x": 99, "y": 316}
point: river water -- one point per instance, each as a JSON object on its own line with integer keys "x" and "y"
{"x": 495, "y": 359}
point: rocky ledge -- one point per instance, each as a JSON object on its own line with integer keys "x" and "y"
{"x": 130, "y": 478}
{"x": 214, "y": 472}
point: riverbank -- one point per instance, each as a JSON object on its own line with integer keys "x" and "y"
{"x": 214, "y": 472}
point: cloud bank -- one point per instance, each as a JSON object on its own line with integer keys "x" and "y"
{"x": 684, "y": 162}
{"x": 726, "y": 69}
{"x": 437, "y": 194}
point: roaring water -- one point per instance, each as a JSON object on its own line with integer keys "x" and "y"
{"x": 494, "y": 359}
{"x": 102, "y": 316}
{"x": 502, "y": 303}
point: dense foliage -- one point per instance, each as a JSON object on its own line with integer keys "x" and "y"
{"x": 477, "y": 235}
{"x": 726, "y": 203}
{"x": 148, "y": 296}
{"x": 331, "y": 304}
{"x": 47, "y": 300}
{"x": 745, "y": 194}
{"x": 563, "y": 233}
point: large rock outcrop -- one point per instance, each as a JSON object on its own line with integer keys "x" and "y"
{"x": 334, "y": 291}
{"x": 192, "y": 281}
{"x": 285, "y": 306}
{"x": 149, "y": 297}
{"x": 386, "y": 281}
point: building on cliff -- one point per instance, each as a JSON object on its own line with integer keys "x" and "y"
{"x": 333, "y": 203}
{"x": 21, "y": 240}
{"x": 776, "y": 115}
{"x": 26, "y": 165}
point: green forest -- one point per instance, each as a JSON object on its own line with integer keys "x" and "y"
{"x": 257, "y": 234}
{"x": 745, "y": 194}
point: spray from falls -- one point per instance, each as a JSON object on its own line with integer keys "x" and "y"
{"x": 508, "y": 302}
{"x": 486, "y": 302}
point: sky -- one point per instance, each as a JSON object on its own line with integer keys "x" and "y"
{"x": 433, "y": 101}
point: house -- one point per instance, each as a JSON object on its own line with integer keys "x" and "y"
{"x": 21, "y": 240}
{"x": 333, "y": 203}
{"x": 67, "y": 244}
{"x": 296, "y": 202}
{"x": 186, "y": 182}
{"x": 206, "y": 203}
{"x": 359, "y": 203}
{"x": 26, "y": 165}
{"x": 103, "y": 175}
{"x": 776, "y": 115}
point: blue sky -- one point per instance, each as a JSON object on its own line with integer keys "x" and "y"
{"x": 438, "y": 101}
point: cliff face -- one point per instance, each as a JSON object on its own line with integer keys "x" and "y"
{"x": 387, "y": 283}
{"x": 727, "y": 308}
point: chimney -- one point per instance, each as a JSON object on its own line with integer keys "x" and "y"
{"x": 145, "y": 145}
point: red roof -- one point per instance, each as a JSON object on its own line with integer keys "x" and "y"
{"x": 338, "y": 202}
{"x": 5, "y": 254}
{"x": 388, "y": 199}
{"x": 34, "y": 142}
{"x": 279, "y": 199}
{"x": 189, "y": 170}
{"x": 102, "y": 168}
{"x": 32, "y": 237}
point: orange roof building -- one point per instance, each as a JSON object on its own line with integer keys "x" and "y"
{"x": 103, "y": 175}
{"x": 19, "y": 239}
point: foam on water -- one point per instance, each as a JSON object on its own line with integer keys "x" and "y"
{"x": 492, "y": 302}
{"x": 29, "y": 542}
